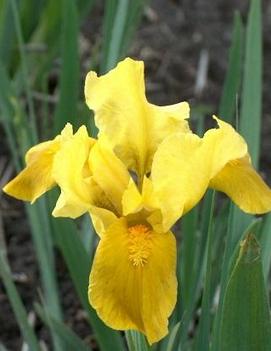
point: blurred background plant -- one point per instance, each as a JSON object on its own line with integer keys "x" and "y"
{"x": 46, "y": 48}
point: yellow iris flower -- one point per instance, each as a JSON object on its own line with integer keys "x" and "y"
{"x": 145, "y": 170}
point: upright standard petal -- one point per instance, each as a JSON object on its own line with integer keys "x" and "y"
{"x": 122, "y": 113}
{"x": 37, "y": 178}
{"x": 226, "y": 145}
{"x": 180, "y": 175}
{"x": 232, "y": 171}
{"x": 109, "y": 173}
{"x": 72, "y": 174}
{"x": 132, "y": 282}
{"x": 134, "y": 201}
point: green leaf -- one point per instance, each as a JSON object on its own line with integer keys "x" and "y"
{"x": 3, "y": 347}
{"x": 246, "y": 321}
{"x": 187, "y": 268}
{"x": 17, "y": 135}
{"x": 17, "y": 306}
{"x": 88, "y": 235}
{"x": 66, "y": 110}
{"x": 29, "y": 22}
{"x": 231, "y": 252}
{"x": 117, "y": 15}
{"x": 174, "y": 336}
{"x": 7, "y": 33}
{"x": 135, "y": 12}
{"x": 84, "y": 7}
{"x": 233, "y": 77}
{"x": 70, "y": 340}
{"x": 119, "y": 25}
{"x": 79, "y": 264}
{"x": 197, "y": 245}
{"x": 25, "y": 72}
{"x": 48, "y": 28}
{"x": 136, "y": 341}
{"x": 250, "y": 116}
{"x": 250, "y": 119}
{"x": 187, "y": 271}
{"x": 265, "y": 240}
{"x": 205, "y": 318}
{"x": 108, "y": 21}
{"x": 7, "y": 115}
{"x": 42, "y": 239}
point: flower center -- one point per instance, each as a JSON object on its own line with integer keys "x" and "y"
{"x": 139, "y": 245}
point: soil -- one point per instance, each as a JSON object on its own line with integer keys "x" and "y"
{"x": 171, "y": 38}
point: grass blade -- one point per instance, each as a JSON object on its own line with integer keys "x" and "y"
{"x": 33, "y": 128}
{"x": 88, "y": 235}
{"x": 7, "y": 115}
{"x": 233, "y": 77}
{"x": 199, "y": 264}
{"x": 205, "y": 319}
{"x": 188, "y": 249}
{"x": 17, "y": 306}
{"x": 120, "y": 22}
{"x": 41, "y": 236}
{"x": 78, "y": 262}
{"x": 116, "y": 34}
{"x": 187, "y": 272}
{"x": 250, "y": 116}
{"x": 246, "y": 322}
{"x": 66, "y": 110}
{"x": 134, "y": 15}
{"x": 136, "y": 341}
{"x": 28, "y": 21}
{"x": 108, "y": 21}
{"x": 70, "y": 340}
{"x": 265, "y": 241}
{"x": 85, "y": 6}
{"x": 6, "y": 32}
{"x": 250, "y": 119}
{"x": 2, "y": 347}
{"x": 229, "y": 258}
{"x": 174, "y": 337}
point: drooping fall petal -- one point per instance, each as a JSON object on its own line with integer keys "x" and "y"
{"x": 123, "y": 115}
{"x": 233, "y": 173}
{"x": 37, "y": 178}
{"x": 132, "y": 282}
{"x": 239, "y": 180}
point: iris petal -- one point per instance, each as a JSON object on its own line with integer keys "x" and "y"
{"x": 219, "y": 160}
{"x": 226, "y": 145}
{"x": 239, "y": 180}
{"x": 108, "y": 172}
{"x": 233, "y": 173}
{"x": 132, "y": 282}
{"x": 37, "y": 178}
{"x": 180, "y": 175}
{"x": 122, "y": 113}
{"x": 71, "y": 173}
